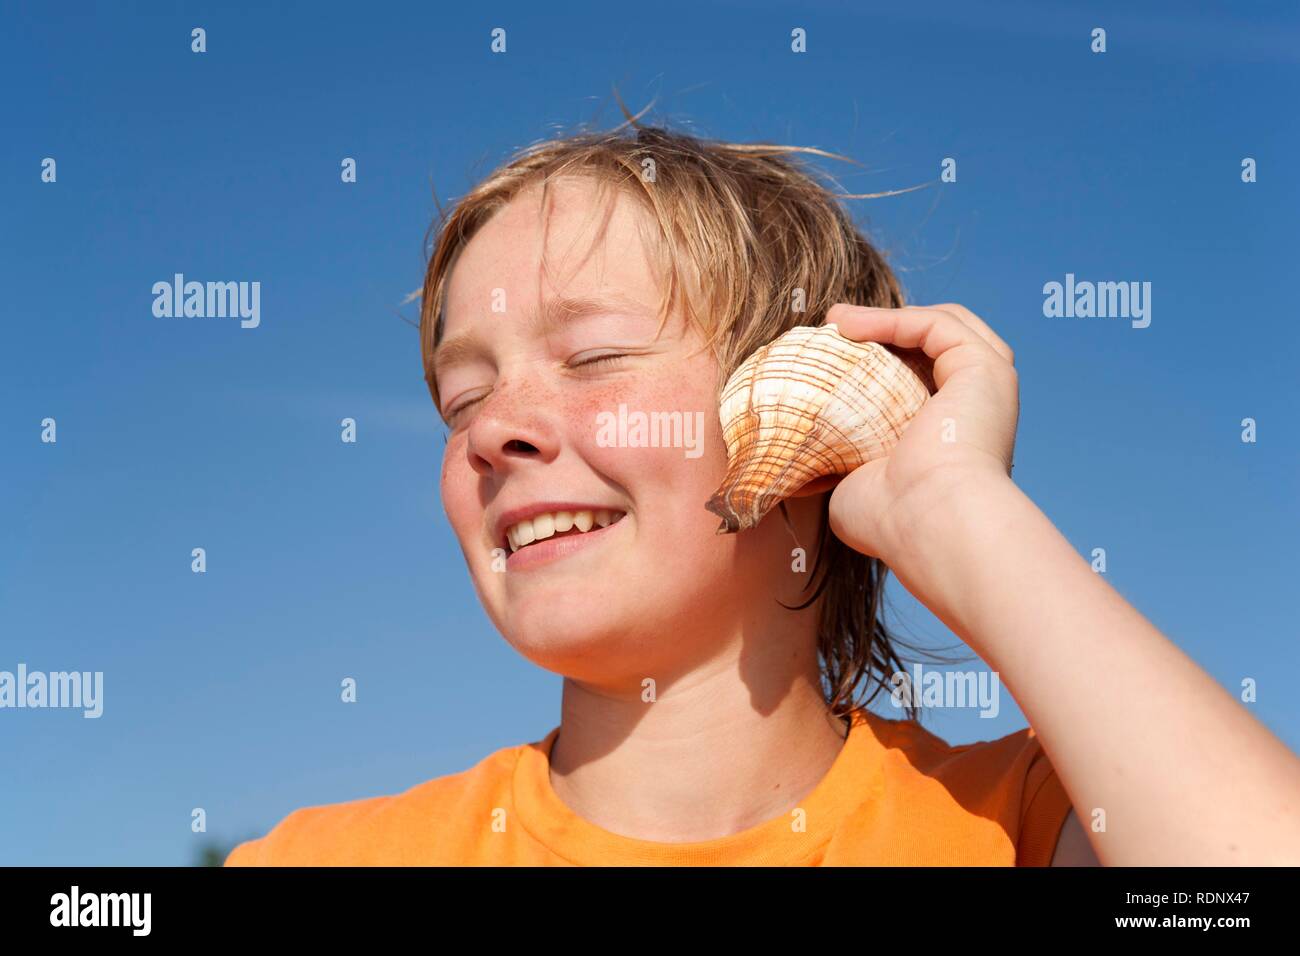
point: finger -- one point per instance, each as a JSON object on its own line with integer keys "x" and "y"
{"x": 981, "y": 327}
{"x": 941, "y": 335}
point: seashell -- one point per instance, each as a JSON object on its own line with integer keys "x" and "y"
{"x": 811, "y": 404}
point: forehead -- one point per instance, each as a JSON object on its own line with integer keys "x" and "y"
{"x": 576, "y": 240}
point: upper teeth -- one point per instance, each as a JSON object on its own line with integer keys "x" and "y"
{"x": 543, "y": 526}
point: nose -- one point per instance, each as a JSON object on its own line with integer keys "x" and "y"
{"x": 511, "y": 429}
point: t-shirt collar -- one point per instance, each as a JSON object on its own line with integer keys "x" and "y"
{"x": 788, "y": 839}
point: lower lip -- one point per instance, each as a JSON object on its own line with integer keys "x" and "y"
{"x": 552, "y": 549}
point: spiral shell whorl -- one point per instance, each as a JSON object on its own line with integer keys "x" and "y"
{"x": 808, "y": 405}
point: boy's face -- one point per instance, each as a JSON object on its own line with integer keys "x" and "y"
{"x": 554, "y": 437}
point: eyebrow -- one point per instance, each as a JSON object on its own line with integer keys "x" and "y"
{"x": 553, "y": 314}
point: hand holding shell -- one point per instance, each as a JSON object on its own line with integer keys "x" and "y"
{"x": 810, "y": 404}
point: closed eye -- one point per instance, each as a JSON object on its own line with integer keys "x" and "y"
{"x": 598, "y": 361}
{"x": 454, "y": 413}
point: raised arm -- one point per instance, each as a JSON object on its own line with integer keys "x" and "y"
{"x": 1143, "y": 740}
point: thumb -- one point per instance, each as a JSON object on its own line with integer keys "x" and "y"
{"x": 854, "y": 507}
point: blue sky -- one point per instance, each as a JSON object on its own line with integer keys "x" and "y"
{"x": 327, "y": 559}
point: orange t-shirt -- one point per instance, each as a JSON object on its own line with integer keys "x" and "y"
{"x": 896, "y": 795}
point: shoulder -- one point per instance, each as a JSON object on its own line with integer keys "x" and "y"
{"x": 1007, "y": 780}
{"x": 394, "y": 830}
{"x": 1018, "y": 755}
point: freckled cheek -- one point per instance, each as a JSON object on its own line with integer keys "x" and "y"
{"x": 458, "y": 489}
{"x": 641, "y": 468}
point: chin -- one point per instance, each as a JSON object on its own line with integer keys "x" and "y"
{"x": 589, "y": 650}
{"x": 616, "y": 643}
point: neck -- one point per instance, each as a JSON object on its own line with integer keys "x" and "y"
{"x": 738, "y": 741}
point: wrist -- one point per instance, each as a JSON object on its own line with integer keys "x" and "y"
{"x": 952, "y": 528}
{"x": 940, "y": 504}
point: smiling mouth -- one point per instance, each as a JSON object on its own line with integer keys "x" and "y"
{"x": 559, "y": 524}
